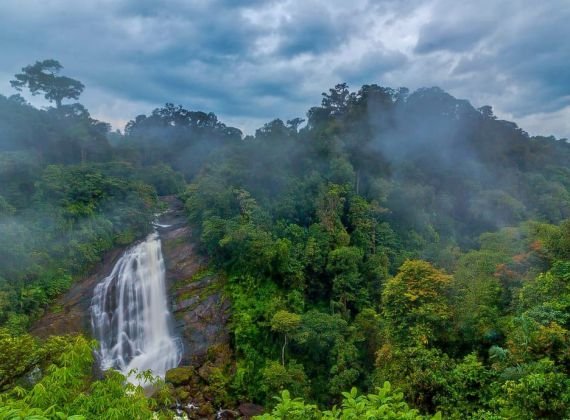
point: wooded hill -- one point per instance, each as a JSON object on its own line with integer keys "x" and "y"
{"x": 391, "y": 237}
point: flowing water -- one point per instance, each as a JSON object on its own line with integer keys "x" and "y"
{"x": 129, "y": 313}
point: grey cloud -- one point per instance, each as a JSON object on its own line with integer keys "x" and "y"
{"x": 311, "y": 34}
{"x": 455, "y": 37}
{"x": 526, "y": 55}
{"x": 371, "y": 66}
{"x": 511, "y": 54}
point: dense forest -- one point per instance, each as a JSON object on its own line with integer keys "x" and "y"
{"x": 395, "y": 254}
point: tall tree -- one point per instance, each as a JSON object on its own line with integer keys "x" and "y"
{"x": 415, "y": 303}
{"x": 42, "y": 77}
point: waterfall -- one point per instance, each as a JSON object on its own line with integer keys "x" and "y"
{"x": 129, "y": 313}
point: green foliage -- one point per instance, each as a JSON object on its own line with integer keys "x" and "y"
{"x": 477, "y": 295}
{"x": 42, "y": 77}
{"x": 77, "y": 213}
{"x": 415, "y": 304}
{"x": 333, "y": 238}
{"x": 277, "y": 377}
{"x": 18, "y": 354}
{"x": 421, "y": 373}
{"x": 293, "y": 409}
{"x": 383, "y": 404}
{"x": 540, "y": 392}
{"x": 467, "y": 388}
{"x": 163, "y": 178}
{"x": 347, "y": 284}
{"x": 65, "y": 391}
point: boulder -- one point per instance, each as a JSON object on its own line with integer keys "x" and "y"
{"x": 179, "y": 376}
{"x": 249, "y": 410}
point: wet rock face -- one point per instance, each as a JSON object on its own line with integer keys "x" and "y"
{"x": 200, "y": 310}
{"x": 71, "y": 314}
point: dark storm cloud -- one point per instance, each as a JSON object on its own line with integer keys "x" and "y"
{"x": 250, "y": 61}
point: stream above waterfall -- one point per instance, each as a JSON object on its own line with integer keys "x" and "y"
{"x": 130, "y": 316}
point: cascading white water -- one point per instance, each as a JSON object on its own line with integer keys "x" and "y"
{"x": 130, "y": 316}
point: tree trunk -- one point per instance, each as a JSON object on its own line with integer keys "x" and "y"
{"x": 283, "y": 351}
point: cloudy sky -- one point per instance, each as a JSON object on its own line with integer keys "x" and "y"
{"x": 250, "y": 61}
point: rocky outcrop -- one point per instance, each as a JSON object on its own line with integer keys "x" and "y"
{"x": 199, "y": 307}
{"x": 202, "y": 392}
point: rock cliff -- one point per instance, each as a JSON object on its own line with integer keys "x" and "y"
{"x": 200, "y": 310}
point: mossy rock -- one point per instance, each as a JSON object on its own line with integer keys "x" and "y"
{"x": 182, "y": 394}
{"x": 180, "y": 376}
{"x": 173, "y": 243}
{"x": 206, "y": 410}
{"x": 57, "y": 308}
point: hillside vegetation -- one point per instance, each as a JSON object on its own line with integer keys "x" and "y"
{"x": 404, "y": 244}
